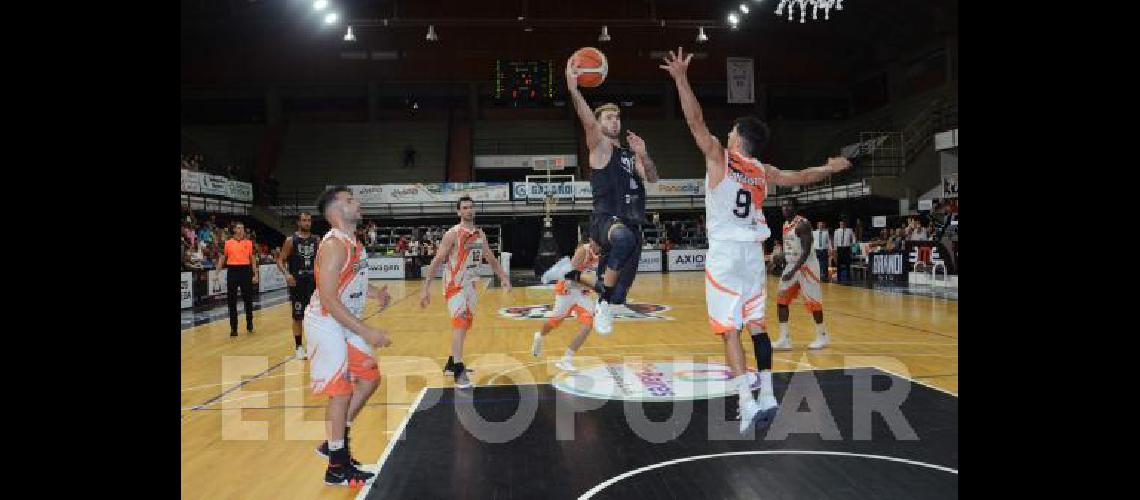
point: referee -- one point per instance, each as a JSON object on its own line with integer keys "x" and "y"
{"x": 241, "y": 272}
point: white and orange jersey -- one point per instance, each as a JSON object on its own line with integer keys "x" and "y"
{"x": 733, "y": 210}
{"x": 792, "y": 245}
{"x": 464, "y": 257}
{"x": 565, "y": 286}
{"x": 352, "y": 283}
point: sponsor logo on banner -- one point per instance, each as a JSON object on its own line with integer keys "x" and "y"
{"x": 917, "y": 246}
{"x": 650, "y": 261}
{"x": 687, "y": 260}
{"x": 216, "y": 282}
{"x": 582, "y": 189}
{"x": 649, "y": 381}
{"x": 888, "y": 266}
{"x": 241, "y": 191}
{"x": 216, "y": 185}
{"x": 368, "y": 195}
{"x": 633, "y": 311}
{"x": 187, "y": 290}
{"x": 428, "y": 193}
{"x": 385, "y": 268}
{"x": 270, "y": 278}
{"x": 406, "y": 194}
{"x": 676, "y": 187}
{"x": 539, "y": 190}
{"x": 191, "y": 181}
{"x": 478, "y": 191}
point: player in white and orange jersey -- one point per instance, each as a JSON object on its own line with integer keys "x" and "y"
{"x": 572, "y": 296}
{"x": 801, "y": 274}
{"x": 341, "y": 365}
{"x": 736, "y": 185}
{"x": 463, "y": 247}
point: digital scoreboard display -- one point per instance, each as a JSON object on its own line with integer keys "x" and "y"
{"x": 524, "y": 83}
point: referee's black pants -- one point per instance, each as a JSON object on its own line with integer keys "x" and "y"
{"x": 240, "y": 277}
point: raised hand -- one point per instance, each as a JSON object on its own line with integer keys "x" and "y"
{"x": 636, "y": 143}
{"x": 677, "y": 64}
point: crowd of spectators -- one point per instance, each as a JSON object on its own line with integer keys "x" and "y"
{"x": 203, "y": 237}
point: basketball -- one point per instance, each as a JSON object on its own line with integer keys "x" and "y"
{"x": 593, "y": 65}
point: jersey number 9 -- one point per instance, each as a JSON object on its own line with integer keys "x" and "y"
{"x": 743, "y": 203}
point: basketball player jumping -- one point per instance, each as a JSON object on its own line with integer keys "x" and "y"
{"x": 617, "y": 178}
{"x": 801, "y": 274}
{"x": 736, "y": 184}
{"x": 341, "y": 364}
{"x": 463, "y": 246}
{"x": 296, "y": 263}
{"x": 571, "y": 295}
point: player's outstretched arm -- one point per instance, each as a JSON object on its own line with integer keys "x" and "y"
{"x": 807, "y": 175}
{"x": 589, "y": 121}
{"x": 677, "y": 64}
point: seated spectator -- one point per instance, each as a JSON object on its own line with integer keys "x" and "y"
{"x": 189, "y": 263}
{"x": 917, "y": 232}
{"x": 210, "y": 258}
{"x": 897, "y": 240}
{"x": 880, "y": 242}
{"x": 189, "y": 234}
{"x": 204, "y": 233}
{"x": 402, "y": 245}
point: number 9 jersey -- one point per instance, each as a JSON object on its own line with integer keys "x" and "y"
{"x": 733, "y": 209}
{"x": 734, "y": 266}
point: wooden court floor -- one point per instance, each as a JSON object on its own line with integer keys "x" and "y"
{"x": 249, "y": 424}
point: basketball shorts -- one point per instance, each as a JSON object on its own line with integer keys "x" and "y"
{"x": 461, "y": 302}
{"x": 300, "y": 295}
{"x": 734, "y": 285}
{"x": 806, "y": 280}
{"x": 337, "y": 357}
{"x": 572, "y": 301}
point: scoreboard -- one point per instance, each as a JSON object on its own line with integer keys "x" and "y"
{"x": 524, "y": 83}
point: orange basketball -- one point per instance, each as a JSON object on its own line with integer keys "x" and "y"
{"x": 592, "y": 63}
